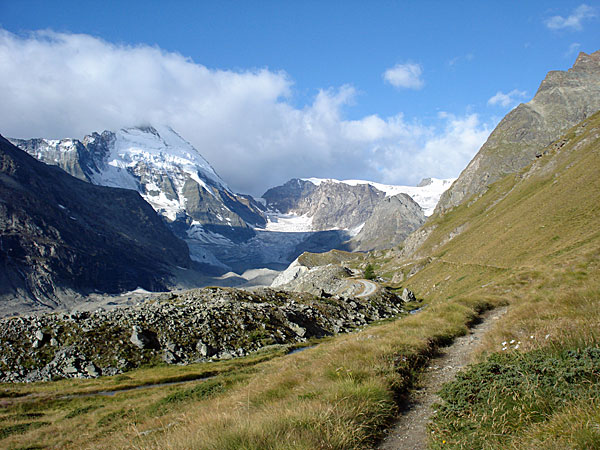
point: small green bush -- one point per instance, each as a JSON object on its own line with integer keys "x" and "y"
{"x": 492, "y": 402}
{"x": 369, "y": 272}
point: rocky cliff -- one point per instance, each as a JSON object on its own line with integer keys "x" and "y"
{"x": 562, "y": 100}
{"x": 60, "y": 236}
{"x": 391, "y": 221}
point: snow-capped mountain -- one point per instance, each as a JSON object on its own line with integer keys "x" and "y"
{"x": 156, "y": 161}
{"x": 312, "y": 204}
{"x": 223, "y": 229}
{"x": 167, "y": 171}
{"x": 427, "y": 193}
{"x": 372, "y": 215}
{"x": 61, "y": 238}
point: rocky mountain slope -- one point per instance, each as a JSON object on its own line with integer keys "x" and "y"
{"x": 60, "y": 236}
{"x": 226, "y": 231}
{"x": 562, "y": 100}
{"x": 375, "y": 215}
{"x": 329, "y": 204}
{"x": 167, "y": 171}
{"x": 526, "y": 220}
{"x": 391, "y": 221}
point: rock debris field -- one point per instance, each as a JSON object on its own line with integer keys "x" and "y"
{"x": 198, "y": 325}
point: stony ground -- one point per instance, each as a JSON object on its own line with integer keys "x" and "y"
{"x": 177, "y": 328}
{"x": 410, "y": 432}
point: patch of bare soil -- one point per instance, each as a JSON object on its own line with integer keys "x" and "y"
{"x": 410, "y": 432}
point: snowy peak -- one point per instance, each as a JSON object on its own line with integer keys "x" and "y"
{"x": 163, "y": 147}
{"x": 167, "y": 171}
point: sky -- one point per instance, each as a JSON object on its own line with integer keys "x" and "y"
{"x": 388, "y": 91}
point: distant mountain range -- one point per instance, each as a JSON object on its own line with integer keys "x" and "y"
{"x": 63, "y": 235}
{"x": 224, "y": 230}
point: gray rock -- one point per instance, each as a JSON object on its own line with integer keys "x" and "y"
{"x": 91, "y": 370}
{"x": 330, "y": 204}
{"x": 408, "y": 295}
{"x": 563, "y": 100}
{"x": 297, "y": 329}
{"x": 205, "y": 350}
{"x": 392, "y": 220}
{"x": 143, "y": 339}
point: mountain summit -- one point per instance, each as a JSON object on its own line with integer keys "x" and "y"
{"x": 60, "y": 236}
{"x": 562, "y": 100}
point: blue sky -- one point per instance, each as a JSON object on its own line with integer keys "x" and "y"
{"x": 390, "y": 91}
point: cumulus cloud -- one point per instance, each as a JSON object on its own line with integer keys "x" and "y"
{"x": 441, "y": 151}
{"x": 505, "y": 100}
{"x": 405, "y": 76}
{"x": 574, "y": 21}
{"x": 59, "y": 85}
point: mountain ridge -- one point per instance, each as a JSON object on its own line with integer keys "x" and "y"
{"x": 563, "y": 99}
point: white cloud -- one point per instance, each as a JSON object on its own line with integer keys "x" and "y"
{"x": 573, "y": 48}
{"x": 506, "y": 100}
{"x": 459, "y": 59}
{"x": 405, "y": 76}
{"x": 439, "y": 152}
{"x": 59, "y": 85}
{"x": 574, "y": 21}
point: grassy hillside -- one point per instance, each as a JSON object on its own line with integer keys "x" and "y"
{"x": 532, "y": 242}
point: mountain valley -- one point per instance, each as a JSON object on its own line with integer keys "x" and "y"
{"x": 367, "y": 282}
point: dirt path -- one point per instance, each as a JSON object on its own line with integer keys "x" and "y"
{"x": 411, "y": 430}
{"x": 369, "y": 288}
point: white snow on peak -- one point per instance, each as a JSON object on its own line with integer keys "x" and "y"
{"x": 142, "y": 158}
{"x": 426, "y": 196}
{"x": 163, "y": 147}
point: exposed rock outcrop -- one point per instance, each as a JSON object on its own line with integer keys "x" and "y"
{"x": 60, "y": 236}
{"x": 330, "y": 204}
{"x": 392, "y": 220}
{"x": 562, "y": 100}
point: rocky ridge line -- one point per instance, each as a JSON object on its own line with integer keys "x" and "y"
{"x": 563, "y": 99}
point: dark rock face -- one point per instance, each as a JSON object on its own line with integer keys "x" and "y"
{"x": 392, "y": 220}
{"x": 562, "y": 100}
{"x": 59, "y": 234}
{"x": 191, "y": 326}
{"x": 285, "y": 198}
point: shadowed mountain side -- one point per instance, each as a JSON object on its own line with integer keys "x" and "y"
{"x": 272, "y": 249}
{"x": 61, "y": 235}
